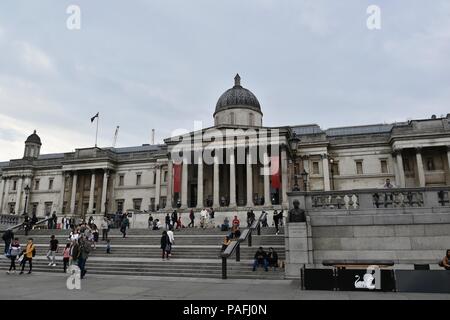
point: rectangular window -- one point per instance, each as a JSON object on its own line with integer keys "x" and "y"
{"x": 137, "y": 204}
{"x": 138, "y": 179}
{"x": 36, "y": 184}
{"x": 335, "y": 168}
{"x": 430, "y": 164}
{"x": 64, "y": 208}
{"x": 384, "y": 167}
{"x": 48, "y": 208}
{"x": 165, "y": 176}
{"x": 152, "y": 206}
{"x": 34, "y": 207}
{"x": 359, "y": 167}
{"x": 14, "y": 185}
{"x": 119, "y": 204}
{"x": 315, "y": 167}
{"x": 163, "y": 202}
{"x": 50, "y": 184}
{"x": 406, "y": 165}
{"x": 121, "y": 179}
{"x": 11, "y": 207}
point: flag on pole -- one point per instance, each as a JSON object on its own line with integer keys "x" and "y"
{"x": 93, "y": 118}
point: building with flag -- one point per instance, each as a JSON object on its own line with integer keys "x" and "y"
{"x": 235, "y": 165}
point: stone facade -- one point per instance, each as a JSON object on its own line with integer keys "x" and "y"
{"x": 105, "y": 180}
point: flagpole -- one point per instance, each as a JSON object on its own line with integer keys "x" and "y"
{"x": 96, "y": 132}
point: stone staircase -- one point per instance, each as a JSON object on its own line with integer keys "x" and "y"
{"x": 195, "y": 254}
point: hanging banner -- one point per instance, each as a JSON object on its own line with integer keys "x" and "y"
{"x": 176, "y": 178}
{"x": 275, "y": 172}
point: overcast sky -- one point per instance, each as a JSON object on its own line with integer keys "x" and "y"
{"x": 163, "y": 64}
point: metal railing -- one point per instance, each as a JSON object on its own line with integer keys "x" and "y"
{"x": 235, "y": 246}
{"x": 23, "y": 224}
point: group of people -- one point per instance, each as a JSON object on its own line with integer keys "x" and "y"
{"x": 167, "y": 241}
{"x": 14, "y": 252}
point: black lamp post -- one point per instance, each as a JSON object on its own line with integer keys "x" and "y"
{"x": 294, "y": 141}
{"x": 304, "y": 175}
{"x": 332, "y": 173}
{"x": 27, "y": 191}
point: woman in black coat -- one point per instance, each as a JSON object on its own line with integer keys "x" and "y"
{"x": 165, "y": 245}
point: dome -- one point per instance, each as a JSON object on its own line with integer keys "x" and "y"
{"x": 238, "y": 97}
{"x": 34, "y": 138}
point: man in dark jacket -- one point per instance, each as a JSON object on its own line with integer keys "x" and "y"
{"x": 272, "y": 257}
{"x": 174, "y": 218}
{"x": 85, "y": 248}
{"x": 8, "y": 237}
{"x": 54, "y": 220}
{"x": 167, "y": 222}
{"x": 191, "y": 217}
{"x": 261, "y": 259}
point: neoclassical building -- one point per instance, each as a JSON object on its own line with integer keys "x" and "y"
{"x": 236, "y": 164}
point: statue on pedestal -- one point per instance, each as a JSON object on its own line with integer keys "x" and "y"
{"x": 296, "y": 214}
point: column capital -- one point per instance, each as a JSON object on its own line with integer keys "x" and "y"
{"x": 324, "y": 156}
{"x": 396, "y": 152}
{"x": 418, "y": 150}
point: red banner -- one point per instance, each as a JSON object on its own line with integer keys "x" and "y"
{"x": 275, "y": 172}
{"x": 177, "y": 178}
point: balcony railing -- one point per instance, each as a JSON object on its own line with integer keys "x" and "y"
{"x": 364, "y": 199}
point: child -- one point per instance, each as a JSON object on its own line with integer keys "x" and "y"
{"x": 66, "y": 256}
{"x": 108, "y": 246}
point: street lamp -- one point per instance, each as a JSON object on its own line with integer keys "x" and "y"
{"x": 304, "y": 175}
{"x": 294, "y": 141}
{"x": 332, "y": 173}
{"x": 27, "y": 191}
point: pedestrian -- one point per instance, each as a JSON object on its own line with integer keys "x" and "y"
{"x": 54, "y": 220}
{"x": 165, "y": 245}
{"x": 250, "y": 218}
{"x": 272, "y": 258}
{"x": 261, "y": 259}
{"x": 66, "y": 257}
{"x": 7, "y": 237}
{"x": 74, "y": 251}
{"x": 14, "y": 251}
{"x": 108, "y": 246}
{"x": 29, "y": 253}
{"x": 171, "y": 240}
{"x": 191, "y": 217}
{"x": 27, "y": 225}
{"x": 85, "y": 249}
{"x": 264, "y": 221}
{"x": 174, "y": 218}
{"x": 226, "y": 242}
{"x": 105, "y": 228}
{"x": 52, "y": 250}
{"x": 167, "y": 221}
{"x": 280, "y": 218}
{"x": 150, "y": 221}
{"x": 276, "y": 220}
{"x": 94, "y": 235}
{"x": 125, "y": 224}
{"x": 236, "y": 221}
{"x": 179, "y": 224}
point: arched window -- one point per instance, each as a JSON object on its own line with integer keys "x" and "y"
{"x": 232, "y": 118}
{"x": 251, "y": 119}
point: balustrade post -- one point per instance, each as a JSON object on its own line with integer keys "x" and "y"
{"x": 224, "y": 268}
{"x": 238, "y": 251}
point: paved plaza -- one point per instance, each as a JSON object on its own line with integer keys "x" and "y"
{"x": 53, "y": 286}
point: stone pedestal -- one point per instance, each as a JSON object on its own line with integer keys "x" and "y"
{"x": 298, "y": 248}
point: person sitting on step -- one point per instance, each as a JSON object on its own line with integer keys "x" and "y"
{"x": 261, "y": 259}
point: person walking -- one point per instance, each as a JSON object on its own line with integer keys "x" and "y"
{"x": 125, "y": 224}
{"x": 171, "y": 242}
{"x": 95, "y": 235}
{"x": 7, "y": 237}
{"x": 276, "y": 220}
{"x": 53, "y": 248}
{"x": 29, "y": 253}
{"x": 280, "y": 218}
{"x": 150, "y": 221}
{"x": 85, "y": 249}
{"x": 108, "y": 246}
{"x": 14, "y": 251}
{"x": 27, "y": 224}
{"x": 66, "y": 257}
{"x": 167, "y": 221}
{"x": 165, "y": 245}
{"x": 105, "y": 228}
{"x": 226, "y": 242}
{"x": 191, "y": 217}
{"x": 174, "y": 218}
{"x": 74, "y": 251}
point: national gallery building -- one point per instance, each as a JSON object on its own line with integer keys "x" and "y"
{"x": 235, "y": 165}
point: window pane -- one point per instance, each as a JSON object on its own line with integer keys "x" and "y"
{"x": 359, "y": 167}
{"x": 384, "y": 168}
{"x": 315, "y": 167}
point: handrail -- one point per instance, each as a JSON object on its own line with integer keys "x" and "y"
{"x": 23, "y": 223}
{"x": 236, "y": 245}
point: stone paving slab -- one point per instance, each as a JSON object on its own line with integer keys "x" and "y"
{"x": 53, "y": 286}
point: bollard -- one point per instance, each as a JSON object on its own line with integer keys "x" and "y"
{"x": 224, "y": 268}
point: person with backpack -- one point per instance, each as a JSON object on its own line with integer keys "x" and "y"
{"x": 191, "y": 217}
{"x": 165, "y": 245}
{"x": 29, "y": 253}
{"x": 85, "y": 249}
{"x": 66, "y": 257}
{"x": 124, "y": 225}
{"x": 13, "y": 252}
{"x": 53, "y": 248}
{"x": 7, "y": 237}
